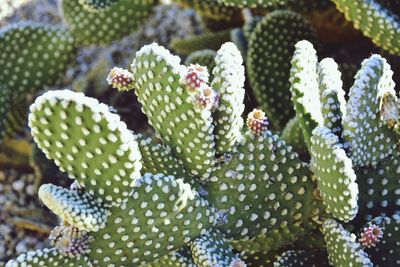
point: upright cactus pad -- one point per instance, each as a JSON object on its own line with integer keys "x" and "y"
{"x": 305, "y": 88}
{"x": 379, "y": 20}
{"x": 365, "y": 126}
{"x": 271, "y": 46}
{"x": 182, "y": 114}
{"x": 109, "y": 24}
{"x": 229, "y": 83}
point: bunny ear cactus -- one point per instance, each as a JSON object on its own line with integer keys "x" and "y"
{"x": 44, "y": 53}
{"x": 294, "y": 258}
{"x": 118, "y": 19}
{"x": 111, "y": 214}
{"x": 378, "y": 20}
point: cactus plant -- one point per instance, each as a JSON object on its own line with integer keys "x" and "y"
{"x": 379, "y": 20}
{"x": 135, "y": 201}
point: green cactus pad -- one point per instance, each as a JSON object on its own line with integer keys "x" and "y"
{"x": 183, "y": 125}
{"x": 212, "y": 250}
{"x": 110, "y": 24}
{"x": 332, "y": 95}
{"x": 271, "y": 47}
{"x": 343, "y": 249}
{"x": 43, "y": 54}
{"x": 79, "y": 210}
{"x": 335, "y": 174}
{"x": 48, "y": 258}
{"x": 387, "y": 251}
{"x": 205, "y": 57}
{"x": 209, "y": 40}
{"x": 162, "y": 215}
{"x": 293, "y": 135}
{"x": 269, "y": 175}
{"x": 365, "y": 129}
{"x": 88, "y": 142}
{"x": 229, "y": 83}
{"x": 375, "y": 20}
{"x": 379, "y": 190}
{"x": 180, "y": 258}
{"x": 157, "y": 158}
{"x": 295, "y": 258}
{"x": 96, "y": 5}
{"x": 305, "y": 89}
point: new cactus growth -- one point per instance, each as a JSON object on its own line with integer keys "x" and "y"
{"x": 214, "y": 185}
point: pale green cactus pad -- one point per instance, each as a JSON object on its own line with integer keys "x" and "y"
{"x": 365, "y": 127}
{"x": 305, "y": 88}
{"x": 343, "y": 248}
{"x": 88, "y": 142}
{"x": 296, "y": 258}
{"x": 271, "y": 46}
{"x": 377, "y": 19}
{"x": 107, "y": 25}
{"x": 212, "y": 250}
{"x": 335, "y": 174}
{"x": 179, "y": 115}
{"x": 229, "y": 84}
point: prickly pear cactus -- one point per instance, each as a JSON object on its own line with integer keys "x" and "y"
{"x": 213, "y": 184}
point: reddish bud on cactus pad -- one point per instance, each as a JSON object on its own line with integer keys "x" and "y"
{"x": 120, "y": 79}
{"x": 196, "y": 77}
{"x": 371, "y": 235}
{"x": 207, "y": 98}
{"x": 257, "y": 121}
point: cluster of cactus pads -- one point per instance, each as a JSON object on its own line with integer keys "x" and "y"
{"x": 215, "y": 189}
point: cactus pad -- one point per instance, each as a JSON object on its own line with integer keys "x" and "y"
{"x": 271, "y": 46}
{"x": 88, "y": 142}
{"x": 175, "y": 114}
{"x": 335, "y": 174}
{"x": 229, "y": 84}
